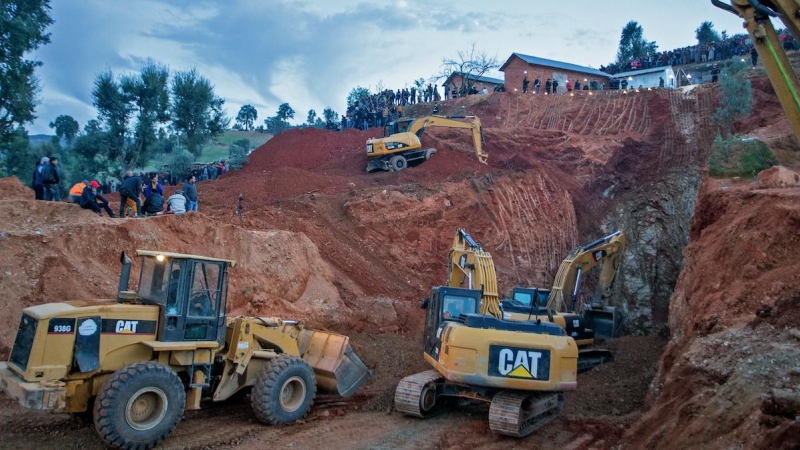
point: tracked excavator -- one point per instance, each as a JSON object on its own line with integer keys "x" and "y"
{"x": 560, "y": 304}
{"x": 756, "y": 15}
{"x": 138, "y": 362}
{"x": 520, "y": 368}
{"x": 401, "y": 144}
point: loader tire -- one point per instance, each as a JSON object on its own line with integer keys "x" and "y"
{"x": 397, "y": 163}
{"x": 284, "y": 390}
{"x": 139, "y": 406}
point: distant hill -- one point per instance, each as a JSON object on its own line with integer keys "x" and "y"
{"x": 39, "y": 139}
{"x": 218, "y": 148}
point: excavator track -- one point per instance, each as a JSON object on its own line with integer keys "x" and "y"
{"x": 416, "y": 394}
{"x": 519, "y": 414}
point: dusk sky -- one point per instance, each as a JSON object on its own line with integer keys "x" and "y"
{"x": 311, "y": 53}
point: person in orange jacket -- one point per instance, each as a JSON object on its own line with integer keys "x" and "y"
{"x": 76, "y": 191}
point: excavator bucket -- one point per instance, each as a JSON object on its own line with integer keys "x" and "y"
{"x": 337, "y": 367}
{"x": 604, "y": 321}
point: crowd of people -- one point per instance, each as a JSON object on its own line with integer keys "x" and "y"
{"x": 736, "y": 45}
{"x": 89, "y": 194}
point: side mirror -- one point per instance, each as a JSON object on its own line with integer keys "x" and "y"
{"x": 424, "y": 303}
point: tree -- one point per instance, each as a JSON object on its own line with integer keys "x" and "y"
{"x": 706, "y": 34}
{"x": 237, "y": 153}
{"x": 632, "y": 44}
{"x": 113, "y": 110}
{"x": 196, "y": 111}
{"x": 470, "y": 64}
{"x": 149, "y": 96}
{"x": 246, "y": 117}
{"x": 285, "y": 112}
{"x": 737, "y": 98}
{"x": 311, "y": 118}
{"x": 66, "y": 128}
{"x": 331, "y": 116}
{"x": 357, "y": 94}
{"x": 22, "y": 27}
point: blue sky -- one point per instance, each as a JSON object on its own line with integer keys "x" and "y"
{"x": 311, "y": 53}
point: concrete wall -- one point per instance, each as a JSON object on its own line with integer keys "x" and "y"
{"x": 514, "y": 73}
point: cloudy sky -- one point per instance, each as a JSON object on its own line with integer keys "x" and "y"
{"x": 311, "y": 53}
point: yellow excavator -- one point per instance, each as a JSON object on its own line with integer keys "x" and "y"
{"x": 756, "y": 15}
{"x": 560, "y": 303}
{"x": 520, "y": 368}
{"x": 401, "y": 144}
{"x": 138, "y": 362}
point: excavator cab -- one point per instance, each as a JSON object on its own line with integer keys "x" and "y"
{"x": 446, "y": 304}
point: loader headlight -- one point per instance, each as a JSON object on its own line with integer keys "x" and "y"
{"x": 369, "y": 148}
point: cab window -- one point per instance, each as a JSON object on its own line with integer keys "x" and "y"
{"x": 523, "y": 297}
{"x": 154, "y": 280}
{"x": 204, "y": 293}
{"x": 455, "y": 305}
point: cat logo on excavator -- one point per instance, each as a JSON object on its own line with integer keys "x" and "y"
{"x": 514, "y": 362}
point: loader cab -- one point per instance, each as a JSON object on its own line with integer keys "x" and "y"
{"x": 398, "y": 126}
{"x": 532, "y": 301}
{"x": 191, "y": 292}
{"x": 447, "y": 304}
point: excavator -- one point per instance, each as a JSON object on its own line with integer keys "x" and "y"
{"x": 401, "y": 144}
{"x": 560, "y": 303}
{"x": 756, "y": 15}
{"x": 520, "y": 368}
{"x": 137, "y": 363}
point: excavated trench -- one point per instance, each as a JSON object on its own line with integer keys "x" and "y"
{"x": 361, "y": 249}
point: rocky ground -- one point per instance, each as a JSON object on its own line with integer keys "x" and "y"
{"x": 710, "y": 359}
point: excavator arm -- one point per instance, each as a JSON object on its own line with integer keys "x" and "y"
{"x": 470, "y": 267}
{"x": 756, "y": 15}
{"x": 418, "y": 127}
{"x": 606, "y": 251}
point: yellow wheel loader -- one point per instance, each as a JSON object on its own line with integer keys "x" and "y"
{"x": 401, "y": 144}
{"x": 520, "y": 368}
{"x": 138, "y": 362}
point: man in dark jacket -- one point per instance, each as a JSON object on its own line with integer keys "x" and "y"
{"x": 153, "y": 204}
{"x": 91, "y": 199}
{"x": 51, "y": 176}
{"x": 190, "y": 192}
{"x": 131, "y": 188}
{"x": 38, "y": 187}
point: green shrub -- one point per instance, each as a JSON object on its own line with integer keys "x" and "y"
{"x": 739, "y": 157}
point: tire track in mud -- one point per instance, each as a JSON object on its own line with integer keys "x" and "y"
{"x": 533, "y": 221}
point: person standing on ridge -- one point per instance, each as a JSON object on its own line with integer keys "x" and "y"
{"x": 525, "y": 83}
{"x": 190, "y": 192}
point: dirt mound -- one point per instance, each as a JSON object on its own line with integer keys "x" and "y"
{"x": 729, "y": 376}
{"x": 11, "y": 188}
{"x": 778, "y": 177}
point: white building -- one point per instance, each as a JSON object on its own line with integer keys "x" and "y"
{"x": 648, "y": 78}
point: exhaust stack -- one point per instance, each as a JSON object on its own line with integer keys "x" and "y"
{"x": 124, "y": 276}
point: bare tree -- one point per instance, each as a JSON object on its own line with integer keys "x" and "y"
{"x": 470, "y": 64}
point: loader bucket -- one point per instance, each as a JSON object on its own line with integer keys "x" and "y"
{"x": 337, "y": 367}
{"x": 604, "y": 321}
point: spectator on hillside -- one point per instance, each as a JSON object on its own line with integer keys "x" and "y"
{"x": 190, "y": 192}
{"x": 51, "y": 177}
{"x": 555, "y": 86}
{"x": 548, "y": 85}
{"x": 130, "y": 189}
{"x": 38, "y": 187}
{"x": 76, "y": 191}
{"x": 154, "y": 204}
{"x": 714, "y": 73}
{"x": 153, "y": 186}
{"x": 537, "y": 83}
{"x": 177, "y": 202}
{"x": 525, "y": 83}
{"x": 91, "y": 199}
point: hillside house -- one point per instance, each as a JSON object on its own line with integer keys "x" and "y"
{"x": 517, "y": 66}
{"x": 456, "y": 81}
{"x": 646, "y": 78}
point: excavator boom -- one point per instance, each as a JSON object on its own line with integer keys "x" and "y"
{"x": 756, "y": 15}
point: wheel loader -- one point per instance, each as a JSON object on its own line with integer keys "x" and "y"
{"x": 402, "y": 143}
{"x": 138, "y": 362}
{"x": 520, "y": 368}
